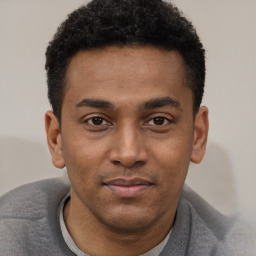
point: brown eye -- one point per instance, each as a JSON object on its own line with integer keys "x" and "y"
{"x": 158, "y": 120}
{"x": 97, "y": 120}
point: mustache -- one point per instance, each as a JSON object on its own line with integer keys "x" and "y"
{"x": 152, "y": 177}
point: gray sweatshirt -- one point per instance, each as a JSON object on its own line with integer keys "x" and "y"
{"x": 30, "y": 224}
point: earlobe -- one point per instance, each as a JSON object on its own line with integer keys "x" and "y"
{"x": 201, "y": 127}
{"x": 54, "y": 139}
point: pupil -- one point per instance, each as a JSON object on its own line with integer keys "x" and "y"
{"x": 159, "y": 120}
{"x": 97, "y": 120}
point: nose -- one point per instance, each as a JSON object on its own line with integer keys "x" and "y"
{"x": 128, "y": 147}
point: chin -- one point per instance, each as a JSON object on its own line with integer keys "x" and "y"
{"x": 129, "y": 221}
{"x": 128, "y": 225}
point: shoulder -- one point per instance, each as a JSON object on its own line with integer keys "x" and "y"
{"x": 241, "y": 240}
{"x": 29, "y": 219}
{"x": 208, "y": 232}
{"x": 217, "y": 223}
{"x": 198, "y": 229}
{"x": 31, "y": 200}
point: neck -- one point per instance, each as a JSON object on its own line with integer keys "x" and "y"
{"x": 95, "y": 238}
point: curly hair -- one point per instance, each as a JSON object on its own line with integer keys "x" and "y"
{"x": 103, "y": 23}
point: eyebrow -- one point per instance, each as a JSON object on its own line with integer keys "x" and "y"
{"x": 162, "y": 102}
{"x": 153, "y": 103}
{"x": 95, "y": 103}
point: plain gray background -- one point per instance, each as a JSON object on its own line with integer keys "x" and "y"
{"x": 226, "y": 177}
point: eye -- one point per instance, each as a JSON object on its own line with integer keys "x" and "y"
{"x": 96, "y": 121}
{"x": 159, "y": 120}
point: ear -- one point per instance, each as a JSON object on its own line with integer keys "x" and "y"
{"x": 201, "y": 127}
{"x": 54, "y": 139}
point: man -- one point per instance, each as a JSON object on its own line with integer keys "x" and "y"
{"x": 125, "y": 81}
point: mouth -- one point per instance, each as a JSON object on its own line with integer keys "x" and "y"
{"x": 128, "y": 188}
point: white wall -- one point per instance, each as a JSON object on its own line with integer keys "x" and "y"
{"x": 228, "y": 31}
{"x": 227, "y": 176}
{"x": 26, "y": 27}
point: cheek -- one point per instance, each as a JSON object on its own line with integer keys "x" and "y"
{"x": 84, "y": 160}
{"x": 174, "y": 158}
{"x": 79, "y": 160}
{"x": 80, "y": 152}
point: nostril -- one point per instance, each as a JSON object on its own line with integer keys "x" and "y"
{"x": 139, "y": 163}
{"x": 116, "y": 162}
{"x": 129, "y": 165}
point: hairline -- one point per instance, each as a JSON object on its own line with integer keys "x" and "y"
{"x": 121, "y": 45}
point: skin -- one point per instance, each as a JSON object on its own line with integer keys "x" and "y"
{"x": 126, "y": 115}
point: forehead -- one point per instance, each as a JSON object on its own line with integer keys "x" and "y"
{"x": 118, "y": 73}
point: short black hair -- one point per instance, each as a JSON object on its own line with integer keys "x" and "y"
{"x": 103, "y": 23}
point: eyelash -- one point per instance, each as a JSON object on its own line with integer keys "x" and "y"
{"x": 97, "y": 117}
{"x": 163, "y": 120}
{"x": 103, "y": 122}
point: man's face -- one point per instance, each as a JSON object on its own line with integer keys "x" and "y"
{"x": 127, "y": 133}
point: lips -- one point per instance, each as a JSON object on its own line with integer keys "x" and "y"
{"x": 128, "y": 188}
